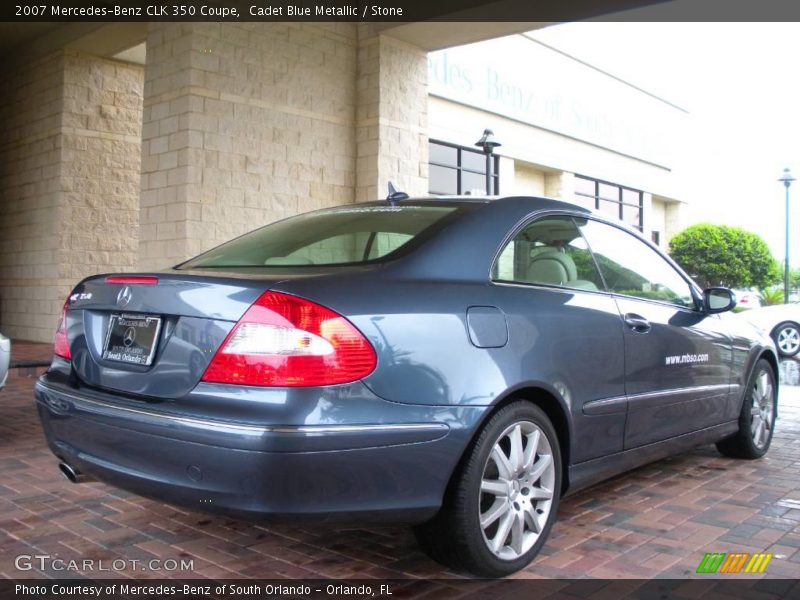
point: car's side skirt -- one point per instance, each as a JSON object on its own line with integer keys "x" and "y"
{"x": 585, "y": 474}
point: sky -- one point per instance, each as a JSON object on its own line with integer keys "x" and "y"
{"x": 740, "y": 84}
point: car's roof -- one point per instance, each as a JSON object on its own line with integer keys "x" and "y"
{"x": 536, "y": 202}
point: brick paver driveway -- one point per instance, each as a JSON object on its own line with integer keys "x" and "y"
{"x": 657, "y": 521}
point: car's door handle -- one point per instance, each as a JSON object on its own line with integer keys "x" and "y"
{"x": 637, "y": 323}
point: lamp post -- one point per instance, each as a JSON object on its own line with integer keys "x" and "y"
{"x": 488, "y": 143}
{"x": 787, "y": 180}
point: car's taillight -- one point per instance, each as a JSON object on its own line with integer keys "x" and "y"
{"x": 284, "y": 340}
{"x": 60, "y": 342}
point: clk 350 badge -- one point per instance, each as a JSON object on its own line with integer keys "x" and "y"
{"x": 81, "y": 296}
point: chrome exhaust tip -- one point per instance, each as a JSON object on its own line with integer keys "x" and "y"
{"x": 73, "y": 474}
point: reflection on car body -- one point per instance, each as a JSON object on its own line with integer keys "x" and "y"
{"x": 747, "y": 299}
{"x": 781, "y": 322}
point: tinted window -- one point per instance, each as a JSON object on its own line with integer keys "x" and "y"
{"x": 549, "y": 251}
{"x": 457, "y": 170}
{"x": 473, "y": 161}
{"x": 473, "y": 183}
{"x": 443, "y": 180}
{"x": 330, "y": 237}
{"x": 633, "y": 268}
{"x": 614, "y": 201}
{"x": 443, "y": 155}
{"x": 385, "y": 243}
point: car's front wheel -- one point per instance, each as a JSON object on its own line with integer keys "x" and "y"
{"x": 503, "y": 500}
{"x": 787, "y": 338}
{"x": 757, "y": 417}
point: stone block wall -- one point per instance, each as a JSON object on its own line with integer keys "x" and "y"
{"x": 100, "y": 166}
{"x": 30, "y": 188}
{"x": 528, "y": 180}
{"x": 674, "y": 221}
{"x": 69, "y": 174}
{"x": 109, "y": 166}
{"x": 244, "y": 124}
{"x": 559, "y": 184}
{"x": 391, "y": 118}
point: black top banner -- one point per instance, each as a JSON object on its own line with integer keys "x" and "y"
{"x": 399, "y": 10}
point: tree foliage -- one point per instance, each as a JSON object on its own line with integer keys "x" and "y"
{"x": 794, "y": 278}
{"x": 772, "y": 296}
{"x": 723, "y": 255}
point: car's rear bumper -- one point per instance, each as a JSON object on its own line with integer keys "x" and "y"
{"x": 322, "y": 468}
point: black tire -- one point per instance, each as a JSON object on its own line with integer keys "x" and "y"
{"x": 787, "y": 334}
{"x": 455, "y": 536}
{"x": 760, "y": 400}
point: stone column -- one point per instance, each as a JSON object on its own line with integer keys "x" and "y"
{"x": 30, "y": 188}
{"x": 560, "y": 185}
{"x": 675, "y": 215}
{"x": 507, "y": 177}
{"x": 391, "y": 117}
{"x": 98, "y": 215}
{"x": 244, "y": 124}
{"x": 69, "y": 178}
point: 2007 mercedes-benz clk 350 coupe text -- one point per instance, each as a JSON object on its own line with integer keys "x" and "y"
{"x": 458, "y": 364}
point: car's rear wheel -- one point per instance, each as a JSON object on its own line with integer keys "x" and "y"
{"x": 757, "y": 418}
{"x": 787, "y": 338}
{"x": 503, "y": 500}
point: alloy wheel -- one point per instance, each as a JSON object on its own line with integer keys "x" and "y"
{"x": 517, "y": 487}
{"x": 788, "y": 340}
{"x": 762, "y": 413}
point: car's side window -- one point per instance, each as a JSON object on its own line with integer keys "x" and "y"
{"x": 549, "y": 251}
{"x": 633, "y": 268}
{"x": 385, "y": 242}
{"x": 349, "y": 247}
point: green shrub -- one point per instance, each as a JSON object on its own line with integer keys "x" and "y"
{"x": 772, "y": 296}
{"x": 723, "y": 255}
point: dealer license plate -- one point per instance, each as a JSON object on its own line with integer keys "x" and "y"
{"x": 132, "y": 339}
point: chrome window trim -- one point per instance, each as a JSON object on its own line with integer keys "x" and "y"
{"x": 586, "y": 214}
{"x": 720, "y": 387}
{"x": 596, "y": 406}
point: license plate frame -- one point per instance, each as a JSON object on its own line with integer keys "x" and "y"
{"x": 122, "y": 347}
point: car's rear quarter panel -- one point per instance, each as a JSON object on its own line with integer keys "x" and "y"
{"x": 570, "y": 346}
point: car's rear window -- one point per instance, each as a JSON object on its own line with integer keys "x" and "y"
{"x": 339, "y": 236}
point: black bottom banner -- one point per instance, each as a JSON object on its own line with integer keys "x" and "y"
{"x": 400, "y": 589}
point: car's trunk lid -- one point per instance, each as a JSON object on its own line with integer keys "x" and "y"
{"x": 155, "y": 340}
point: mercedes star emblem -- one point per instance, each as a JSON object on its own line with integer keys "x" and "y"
{"x": 124, "y": 296}
{"x": 130, "y": 335}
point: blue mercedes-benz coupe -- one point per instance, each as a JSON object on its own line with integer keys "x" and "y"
{"x": 458, "y": 364}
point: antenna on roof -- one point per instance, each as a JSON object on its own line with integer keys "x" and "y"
{"x": 394, "y": 196}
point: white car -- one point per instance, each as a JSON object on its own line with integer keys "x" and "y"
{"x": 781, "y": 322}
{"x": 5, "y": 359}
{"x": 747, "y": 299}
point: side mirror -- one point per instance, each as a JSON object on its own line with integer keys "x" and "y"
{"x": 718, "y": 300}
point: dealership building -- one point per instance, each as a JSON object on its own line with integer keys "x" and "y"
{"x": 133, "y": 146}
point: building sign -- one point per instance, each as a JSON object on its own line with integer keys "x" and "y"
{"x": 523, "y": 80}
